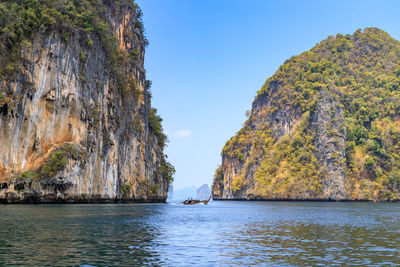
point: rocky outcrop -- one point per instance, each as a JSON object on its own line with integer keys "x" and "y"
{"x": 73, "y": 129}
{"x": 323, "y": 127}
{"x": 330, "y": 142}
{"x": 203, "y": 192}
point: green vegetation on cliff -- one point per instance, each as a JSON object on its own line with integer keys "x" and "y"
{"x": 90, "y": 21}
{"x": 21, "y": 20}
{"x": 361, "y": 73}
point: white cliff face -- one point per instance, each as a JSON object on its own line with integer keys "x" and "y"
{"x": 67, "y": 98}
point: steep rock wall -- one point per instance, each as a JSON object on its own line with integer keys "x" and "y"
{"x": 66, "y": 109}
{"x": 330, "y": 144}
{"x": 236, "y": 177}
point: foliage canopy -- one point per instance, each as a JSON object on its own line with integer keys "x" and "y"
{"x": 361, "y": 72}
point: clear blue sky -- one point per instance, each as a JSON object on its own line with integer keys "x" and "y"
{"x": 207, "y": 59}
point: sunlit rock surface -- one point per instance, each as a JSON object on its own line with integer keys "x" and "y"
{"x": 66, "y": 103}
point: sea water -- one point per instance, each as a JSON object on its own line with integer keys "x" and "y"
{"x": 223, "y": 233}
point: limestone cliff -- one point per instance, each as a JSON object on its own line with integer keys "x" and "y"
{"x": 76, "y": 123}
{"x": 325, "y": 126}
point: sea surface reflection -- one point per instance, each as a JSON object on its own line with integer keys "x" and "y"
{"x": 222, "y": 234}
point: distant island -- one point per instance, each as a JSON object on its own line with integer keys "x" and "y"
{"x": 203, "y": 192}
{"x": 325, "y": 126}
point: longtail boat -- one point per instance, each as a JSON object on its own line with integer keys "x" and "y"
{"x": 191, "y": 201}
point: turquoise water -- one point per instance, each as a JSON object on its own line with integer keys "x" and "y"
{"x": 220, "y": 234}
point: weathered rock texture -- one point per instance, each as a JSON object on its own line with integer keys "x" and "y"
{"x": 324, "y": 127}
{"x": 65, "y": 108}
{"x": 330, "y": 148}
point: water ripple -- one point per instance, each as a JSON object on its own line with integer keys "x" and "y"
{"x": 222, "y": 234}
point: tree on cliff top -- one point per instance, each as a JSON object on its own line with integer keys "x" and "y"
{"x": 361, "y": 72}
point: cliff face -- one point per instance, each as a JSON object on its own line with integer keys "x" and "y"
{"x": 324, "y": 126}
{"x": 76, "y": 126}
